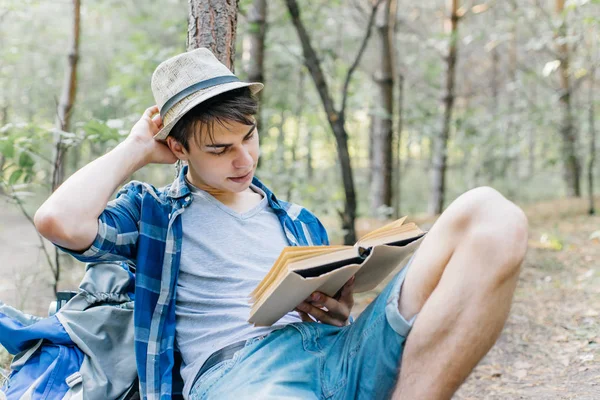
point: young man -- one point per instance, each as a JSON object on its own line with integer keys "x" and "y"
{"x": 201, "y": 244}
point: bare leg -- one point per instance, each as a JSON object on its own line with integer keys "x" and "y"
{"x": 461, "y": 283}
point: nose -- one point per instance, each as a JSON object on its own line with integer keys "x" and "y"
{"x": 243, "y": 159}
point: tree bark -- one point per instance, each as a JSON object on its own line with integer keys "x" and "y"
{"x": 309, "y": 167}
{"x": 295, "y": 145}
{"x": 592, "y": 145}
{"x": 571, "y": 166}
{"x": 335, "y": 118}
{"x": 381, "y": 120}
{"x": 4, "y": 121}
{"x": 67, "y": 100}
{"x": 63, "y": 119}
{"x": 440, "y": 145}
{"x": 510, "y": 161}
{"x": 280, "y": 149}
{"x": 531, "y": 137}
{"x": 254, "y": 50}
{"x": 399, "y": 127}
{"x": 213, "y": 24}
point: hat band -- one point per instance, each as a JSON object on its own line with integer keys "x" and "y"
{"x": 219, "y": 80}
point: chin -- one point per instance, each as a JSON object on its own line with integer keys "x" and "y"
{"x": 236, "y": 187}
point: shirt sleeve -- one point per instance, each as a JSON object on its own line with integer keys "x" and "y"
{"x": 118, "y": 229}
{"x": 322, "y": 232}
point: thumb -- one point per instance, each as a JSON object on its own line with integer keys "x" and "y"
{"x": 348, "y": 291}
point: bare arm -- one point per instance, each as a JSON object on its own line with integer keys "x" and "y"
{"x": 69, "y": 217}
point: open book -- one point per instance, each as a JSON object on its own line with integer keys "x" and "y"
{"x": 301, "y": 270}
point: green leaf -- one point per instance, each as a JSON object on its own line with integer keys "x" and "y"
{"x": 14, "y": 177}
{"x": 26, "y": 161}
{"x": 7, "y": 148}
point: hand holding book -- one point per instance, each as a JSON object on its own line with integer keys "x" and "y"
{"x": 337, "y": 307}
{"x": 302, "y": 270}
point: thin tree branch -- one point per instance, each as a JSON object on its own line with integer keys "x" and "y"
{"x": 311, "y": 60}
{"x": 28, "y": 217}
{"x": 358, "y": 56}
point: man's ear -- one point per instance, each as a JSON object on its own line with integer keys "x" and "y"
{"x": 177, "y": 148}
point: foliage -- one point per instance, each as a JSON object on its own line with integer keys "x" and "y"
{"x": 504, "y": 130}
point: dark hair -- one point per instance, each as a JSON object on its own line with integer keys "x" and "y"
{"x": 237, "y": 105}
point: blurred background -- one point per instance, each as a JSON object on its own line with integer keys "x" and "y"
{"x": 371, "y": 110}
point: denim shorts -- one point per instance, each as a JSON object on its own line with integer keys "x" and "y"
{"x": 310, "y": 360}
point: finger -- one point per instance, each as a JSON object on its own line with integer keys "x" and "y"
{"x": 347, "y": 296}
{"x": 321, "y": 315}
{"x": 157, "y": 119}
{"x": 304, "y": 316}
{"x": 337, "y": 309}
{"x": 338, "y": 294}
{"x": 150, "y": 111}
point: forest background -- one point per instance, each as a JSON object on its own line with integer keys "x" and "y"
{"x": 371, "y": 110}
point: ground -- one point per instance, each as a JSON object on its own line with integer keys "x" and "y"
{"x": 550, "y": 346}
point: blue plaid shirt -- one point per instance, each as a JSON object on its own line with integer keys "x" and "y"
{"x": 142, "y": 226}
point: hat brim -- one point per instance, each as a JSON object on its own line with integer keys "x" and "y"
{"x": 187, "y": 103}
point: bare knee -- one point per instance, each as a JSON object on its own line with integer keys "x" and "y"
{"x": 495, "y": 225}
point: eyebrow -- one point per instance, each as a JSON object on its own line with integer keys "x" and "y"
{"x": 222, "y": 145}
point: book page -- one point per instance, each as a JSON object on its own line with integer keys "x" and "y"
{"x": 336, "y": 254}
{"x": 393, "y": 225}
{"x": 288, "y": 255}
{"x": 394, "y": 235}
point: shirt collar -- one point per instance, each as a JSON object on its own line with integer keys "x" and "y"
{"x": 179, "y": 188}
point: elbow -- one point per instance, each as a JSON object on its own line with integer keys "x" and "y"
{"x": 65, "y": 230}
{"x": 47, "y": 224}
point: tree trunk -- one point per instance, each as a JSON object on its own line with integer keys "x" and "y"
{"x": 67, "y": 100}
{"x": 440, "y": 145}
{"x": 212, "y": 24}
{"x": 571, "y": 166}
{"x": 309, "y": 167}
{"x": 381, "y": 120}
{"x": 532, "y": 135}
{"x": 399, "y": 127}
{"x": 295, "y": 145}
{"x": 349, "y": 214}
{"x": 495, "y": 63}
{"x": 511, "y": 162}
{"x": 335, "y": 119}
{"x": 254, "y": 50}
{"x": 4, "y": 120}
{"x": 592, "y": 154}
{"x": 280, "y": 150}
{"x": 63, "y": 120}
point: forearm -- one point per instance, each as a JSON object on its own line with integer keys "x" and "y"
{"x": 70, "y": 216}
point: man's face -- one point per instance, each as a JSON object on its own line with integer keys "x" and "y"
{"x": 227, "y": 160}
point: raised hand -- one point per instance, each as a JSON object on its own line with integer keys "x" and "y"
{"x": 142, "y": 135}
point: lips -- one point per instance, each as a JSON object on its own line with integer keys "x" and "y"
{"x": 241, "y": 176}
{"x": 242, "y": 179}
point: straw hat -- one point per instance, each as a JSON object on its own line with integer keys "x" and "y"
{"x": 186, "y": 80}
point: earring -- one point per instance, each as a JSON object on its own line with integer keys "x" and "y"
{"x": 178, "y": 166}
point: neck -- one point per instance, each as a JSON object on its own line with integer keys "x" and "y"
{"x": 224, "y": 196}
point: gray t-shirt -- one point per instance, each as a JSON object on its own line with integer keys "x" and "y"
{"x": 224, "y": 256}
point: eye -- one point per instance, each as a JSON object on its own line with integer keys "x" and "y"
{"x": 250, "y": 136}
{"x": 219, "y": 153}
